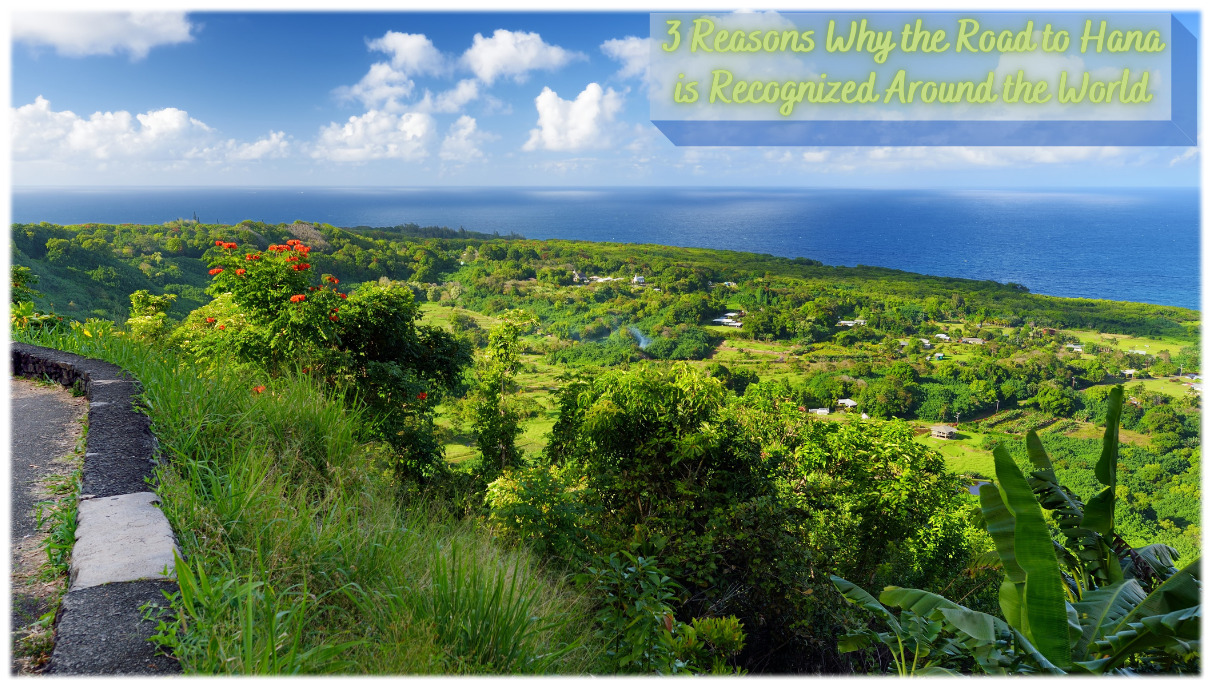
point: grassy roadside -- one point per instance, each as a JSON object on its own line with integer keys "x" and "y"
{"x": 301, "y": 560}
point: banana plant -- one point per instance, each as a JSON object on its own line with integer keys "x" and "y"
{"x": 1067, "y": 608}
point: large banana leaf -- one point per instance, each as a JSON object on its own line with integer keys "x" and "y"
{"x": 923, "y": 603}
{"x": 1042, "y": 601}
{"x": 1100, "y": 510}
{"x": 1181, "y": 591}
{"x": 1176, "y": 633}
{"x": 856, "y": 595}
{"x": 1103, "y": 608}
{"x": 1159, "y": 557}
{"x": 1052, "y": 495}
{"x": 999, "y": 521}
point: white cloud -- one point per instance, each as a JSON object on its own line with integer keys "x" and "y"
{"x": 462, "y": 142}
{"x": 631, "y": 52}
{"x": 273, "y": 146}
{"x": 452, "y": 100}
{"x": 170, "y": 135}
{"x": 513, "y": 54}
{"x": 567, "y": 125}
{"x": 1187, "y": 154}
{"x": 40, "y": 133}
{"x": 377, "y": 135}
{"x": 411, "y": 53}
{"x": 381, "y": 88}
{"x": 76, "y": 34}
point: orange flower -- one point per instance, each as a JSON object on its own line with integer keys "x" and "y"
{"x": 210, "y": 320}
{"x": 229, "y": 246}
{"x": 342, "y": 295}
{"x": 216, "y": 271}
{"x": 292, "y": 242}
{"x": 291, "y": 258}
{"x": 422, "y": 396}
{"x": 333, "y": 318}
{"x": 296, "y": 298}
{"x": 333, "y": 280}
{"x": 240, "y": 271}
{"x": 222, "y": 326}
{"x": 218, "y": 243}
{"x": 258, "y": 389}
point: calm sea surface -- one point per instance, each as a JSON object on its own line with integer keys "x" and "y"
{"x": 1120, "y": 244}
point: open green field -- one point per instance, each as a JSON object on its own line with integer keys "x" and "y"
{"x": 536, "y": 382}
{"x": 1125, "y": 342}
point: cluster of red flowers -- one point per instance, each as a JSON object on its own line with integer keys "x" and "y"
{"x": 210, "y": 320}
{"x": 297, "y": 297}
{"x": 300, "y": 267}
{"x": 422, "y": 396}
{"x": 258, "y": 389}
{"x": 293, "y": 244}
{"x": 223, "y": 244}
{"x": 216, "y": 271}
{"x": 222, "y": 326}
{"x": 240, "y": 271}
{"x": 253, "y": 256}
{"x": 332, "y": 280}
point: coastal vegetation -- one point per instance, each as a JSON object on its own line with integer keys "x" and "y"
{"x": 434, "y": 451}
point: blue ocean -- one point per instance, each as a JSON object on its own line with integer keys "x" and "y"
{"x": 1119, "y": 244}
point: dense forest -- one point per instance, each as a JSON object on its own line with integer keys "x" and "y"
{"x": 716, "y": 458}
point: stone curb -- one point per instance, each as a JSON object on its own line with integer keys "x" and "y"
{"x": 124, "y": 543}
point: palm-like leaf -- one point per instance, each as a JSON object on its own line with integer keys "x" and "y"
{"x": 1103, "y": 608}
{"x": 1042, "y": 597}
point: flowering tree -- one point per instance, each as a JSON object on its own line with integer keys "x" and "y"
{"x": 268, "y": 310}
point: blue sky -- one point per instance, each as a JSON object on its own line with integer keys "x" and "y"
{"x": 416, "y": 99}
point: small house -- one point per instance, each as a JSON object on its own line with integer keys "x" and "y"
{"x": 847, "y": 403}
{"x": 819, "y": 411}
{"x": 972, "y": 340}
{"x": 942, "y": 337}
{"x": 578, "y": 276}
{"x": 637, "y": 279}
{"x": 1128, "y": 373}
{"x": 938, "y": 356}
{"x": 942, "y": 432}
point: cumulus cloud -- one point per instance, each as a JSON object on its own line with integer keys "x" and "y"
{"x": 273, "y": 146}
{"x": 381, "y": 88}
{"x": 411, "y": 53}
{"x": 567, "y": 125}
{"x": 631, "y": 52}
{"x": 377, "y": 135}
{"x": 462, "y": 142}
{"x": 41, "y": 134}
{"x": 452, "y": 100}
{"x": 513, "y": 54}
{"x": 77, "y": 34}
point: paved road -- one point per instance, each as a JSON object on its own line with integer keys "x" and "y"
{"x": 45, "y": 426}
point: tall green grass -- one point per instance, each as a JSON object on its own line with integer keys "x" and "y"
{"x": 299, "y": 558}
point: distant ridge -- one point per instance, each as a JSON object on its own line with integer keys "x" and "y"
{"x": 413, "y": 230}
